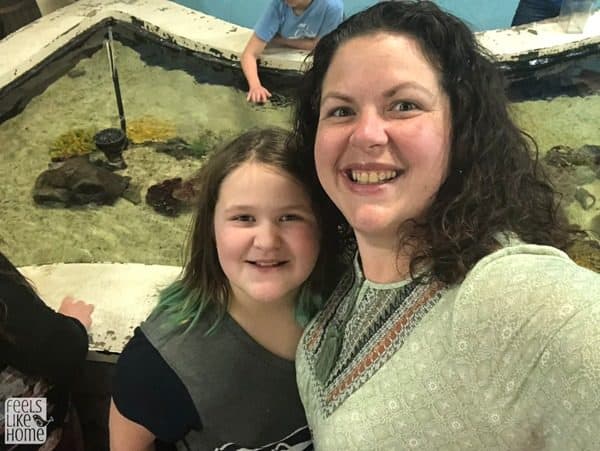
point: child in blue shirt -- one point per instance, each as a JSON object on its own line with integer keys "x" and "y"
{"x": 292, "y": 23}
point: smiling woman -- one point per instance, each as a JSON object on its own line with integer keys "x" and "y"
{"x": 457, "y": 323}
{"x": 383, "y": 139}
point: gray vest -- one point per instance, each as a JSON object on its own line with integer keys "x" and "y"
{"x": 245, "y": 396}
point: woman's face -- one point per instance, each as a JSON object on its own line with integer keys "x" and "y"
{"x": 383, "y": 139}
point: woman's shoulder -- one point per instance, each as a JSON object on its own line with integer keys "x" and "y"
{"x": 529, "y": 318}
{"x": 530, "y": 268}
{"x": 536, "y": 290}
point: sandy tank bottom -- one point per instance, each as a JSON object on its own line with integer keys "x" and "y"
{"x": 31, "y": 234}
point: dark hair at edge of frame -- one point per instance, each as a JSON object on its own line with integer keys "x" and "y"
{"x": 9, "y": 272}
{"x": 494, "y": 183}
{"x": 203, "y": 288}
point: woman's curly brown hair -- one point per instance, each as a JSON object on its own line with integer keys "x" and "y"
{"x": 494, "y": 182}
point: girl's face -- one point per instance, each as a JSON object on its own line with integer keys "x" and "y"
{"x": 266, "y": 234}
{"x": 383, "y": 138}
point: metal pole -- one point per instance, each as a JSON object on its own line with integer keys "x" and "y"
{"x": 115, "y": 78}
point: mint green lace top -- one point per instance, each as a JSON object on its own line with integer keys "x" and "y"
{"x": 507, "y": 360}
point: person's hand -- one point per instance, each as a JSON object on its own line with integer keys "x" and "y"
{"x": 78, "y": 310}
{"x": 258, "y": 95}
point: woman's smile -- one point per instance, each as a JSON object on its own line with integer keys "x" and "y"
{"x": 370, "y": 175}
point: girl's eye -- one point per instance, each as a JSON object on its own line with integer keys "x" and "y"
{"x": 403, "y": 106}
{"x": 243, "y": 218}
{"x": 342, "y": 111}
{"x": 286, "y": 218}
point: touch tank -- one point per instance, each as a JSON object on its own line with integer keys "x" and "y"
{"x": 180, "y": 104}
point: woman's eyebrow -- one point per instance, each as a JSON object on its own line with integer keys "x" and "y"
{"x": 406, "y": 85}
{"x": 335, "y": 95}
{"x": 387, "y": 94}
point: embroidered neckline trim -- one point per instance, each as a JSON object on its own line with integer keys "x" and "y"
{"x": 351, "y": 339}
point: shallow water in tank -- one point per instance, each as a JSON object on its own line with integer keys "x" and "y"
{"x": 124, "y": 232}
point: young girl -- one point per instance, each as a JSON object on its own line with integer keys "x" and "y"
{"x": 213, "y": 366}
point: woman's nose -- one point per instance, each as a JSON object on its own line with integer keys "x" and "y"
{"x": 369, "y": 132}
{"x": 267, "y": 236}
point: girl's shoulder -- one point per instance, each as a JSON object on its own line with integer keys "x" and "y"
{"x": 145, "y": 386}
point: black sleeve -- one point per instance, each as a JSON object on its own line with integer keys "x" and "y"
{"x": 38, "y": 340}
{"x": 147, "y": 391}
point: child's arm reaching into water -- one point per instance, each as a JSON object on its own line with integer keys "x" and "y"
{"x": 249, "y": 62}
{"x": 127, "y": 435}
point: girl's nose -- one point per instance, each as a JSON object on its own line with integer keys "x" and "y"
{"x": 267, "y": 236}
{"x": 369, "y": 132}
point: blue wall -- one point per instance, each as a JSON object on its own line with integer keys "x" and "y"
{"x": 495, "y": 13}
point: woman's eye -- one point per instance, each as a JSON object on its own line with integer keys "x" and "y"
{"x": 403, "y": 106}
{"x": 340, "y": 112}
